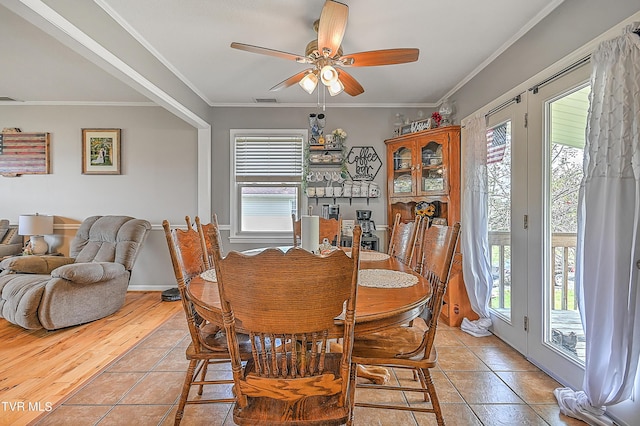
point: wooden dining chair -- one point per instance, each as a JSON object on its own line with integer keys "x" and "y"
{"x": 403, "y": 239}
{"x": 330, "y": 229}
{"x": 412, "y": 347}
{"x": 206, "y": 231}
{"x": 416, "y": 262}
{"x": 288, "y": 303}
{"x": 208, "y": 341}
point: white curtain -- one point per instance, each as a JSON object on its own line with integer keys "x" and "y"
{"x": 476, "y": 265}
{"x": 608, "y": 248}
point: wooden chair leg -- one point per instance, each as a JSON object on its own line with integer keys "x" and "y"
{"x": 185, "y": 391}
{"x": 352, "y": 391}
{"x": 202, "y": 376}
{"x": 419, "y": 375}
{"x": 434, "y": 397}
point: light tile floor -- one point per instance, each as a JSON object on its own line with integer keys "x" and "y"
{"x": 479, "y": 382}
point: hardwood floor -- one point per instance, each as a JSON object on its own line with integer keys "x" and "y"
{"x": 40, "y": 368}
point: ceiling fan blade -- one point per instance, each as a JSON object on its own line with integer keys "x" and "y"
{"x": 333, "y": 23}
{"x": 268, "y": 52}
{"x": 351, "y": 85}
{"x": 381, "y": 57}
{"x": 291, "y": 80}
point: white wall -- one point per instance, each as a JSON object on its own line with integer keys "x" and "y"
{"x": 158, "y": 180}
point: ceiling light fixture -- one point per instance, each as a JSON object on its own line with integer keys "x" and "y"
{"x": 309, "y": 82}
{"x": 328, "y": 75}
{"x": 335, "y": 88}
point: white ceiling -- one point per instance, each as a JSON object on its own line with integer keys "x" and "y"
{"x": 192, "y": 37}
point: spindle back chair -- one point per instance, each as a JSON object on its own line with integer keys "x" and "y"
{"x": 208, "y": 341}
{"x": 412, "y": 347}
{"x": 403, "y": 239}
{"x": 289, "y": 303}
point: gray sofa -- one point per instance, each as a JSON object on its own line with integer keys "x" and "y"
{"x": 10, "y": 241}
{"x": 54, "y": 292}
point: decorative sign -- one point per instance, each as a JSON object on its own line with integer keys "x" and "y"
{"x": 417, "y": 126}
{"x": 24, "y": 153}
{"x": 363, "y": 163}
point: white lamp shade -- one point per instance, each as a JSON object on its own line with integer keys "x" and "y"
{"x": 328, "y": 75}
{"x": 309, "y": 82}
{"x": 335, "y": 88}
{"x": 35, "y": 224}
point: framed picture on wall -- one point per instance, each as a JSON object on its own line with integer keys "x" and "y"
{"x": 101, "y": 151}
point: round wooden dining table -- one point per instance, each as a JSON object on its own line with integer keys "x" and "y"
{"x": 377, "y": 307}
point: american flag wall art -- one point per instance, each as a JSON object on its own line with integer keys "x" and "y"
{"x": 24, "y": 153}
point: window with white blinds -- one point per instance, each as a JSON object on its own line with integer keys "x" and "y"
{"x": 268, "y": 156}
{"x": 266, "y": 183}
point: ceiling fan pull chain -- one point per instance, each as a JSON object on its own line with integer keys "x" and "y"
{"x": 324, "y": 100}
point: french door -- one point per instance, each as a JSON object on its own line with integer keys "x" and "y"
{"x": 557, "y": 129}
{"x": 534, "y": 168}
{"x": 507, "y": 198}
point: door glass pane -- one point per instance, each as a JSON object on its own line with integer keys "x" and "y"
{"x": 499, "y": 223}
{"x": 567, "y": 118}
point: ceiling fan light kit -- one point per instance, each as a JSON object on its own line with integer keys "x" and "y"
{"x": 328, "y": 75}
{"x": 326, "y": 56}
{"x": 309, "y": 82}
{"x": 335, "y": 88}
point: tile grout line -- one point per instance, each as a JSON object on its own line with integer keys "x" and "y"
{"x": 106, "y": 370}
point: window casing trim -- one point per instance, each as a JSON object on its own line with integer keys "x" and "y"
{"x": 237, "y": 182}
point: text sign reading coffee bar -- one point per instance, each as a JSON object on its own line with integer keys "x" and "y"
{"x": 363, "y": 163}
{"x": 24, "y": 153}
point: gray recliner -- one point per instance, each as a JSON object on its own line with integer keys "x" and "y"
{"x": 54, "y": 292}
{"x": 10, "y": 240}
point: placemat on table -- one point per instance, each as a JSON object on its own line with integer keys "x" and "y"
{"x": 384, "y": 278}
{"x": 371, "y": 256}
{"x": 209, "y": 275}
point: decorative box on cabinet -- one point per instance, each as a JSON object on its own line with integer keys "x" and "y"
{"x": 425, "y": 167}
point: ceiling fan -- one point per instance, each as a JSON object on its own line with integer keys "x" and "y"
{"x": 327, "y": 59}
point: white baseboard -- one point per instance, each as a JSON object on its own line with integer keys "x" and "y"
{"x": 159, "y": 287}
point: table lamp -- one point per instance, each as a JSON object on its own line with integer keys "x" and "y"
{"x": 36, "y": 226}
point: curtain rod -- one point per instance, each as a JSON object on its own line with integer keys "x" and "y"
{"x": 560, "y": 73}
{"x": 502, "y": 106}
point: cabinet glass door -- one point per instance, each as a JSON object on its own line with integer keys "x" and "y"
{"x": 432, "y": 179}
{"x": 403, "y": 165}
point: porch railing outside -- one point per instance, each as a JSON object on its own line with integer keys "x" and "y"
{"x": 562, "y": 270}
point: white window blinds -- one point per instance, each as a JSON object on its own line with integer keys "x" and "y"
{"x": 268, "y": 156}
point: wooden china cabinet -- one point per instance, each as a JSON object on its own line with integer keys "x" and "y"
{"x": 423, "y": 175}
